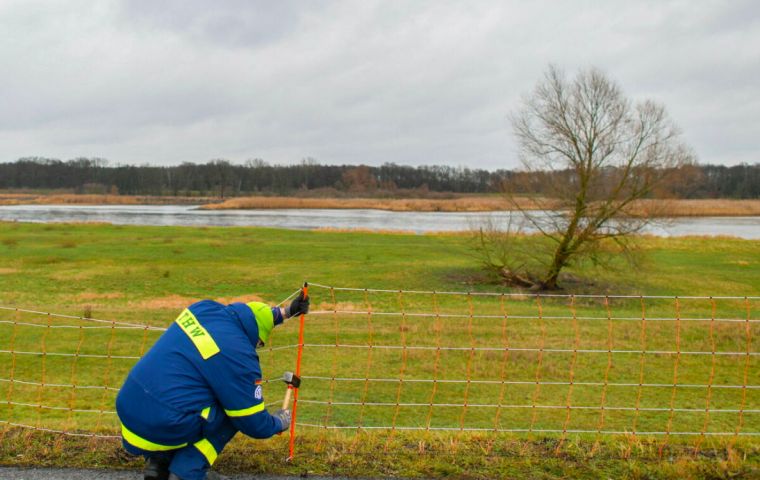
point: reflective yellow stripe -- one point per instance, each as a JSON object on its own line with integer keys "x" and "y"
{"x": 208, "y": 450}
{"x": 139, "y": 442}
{"x": 197, "y": 334}
{"x": 246, "y": 411}
{"x": 205, "y": 412}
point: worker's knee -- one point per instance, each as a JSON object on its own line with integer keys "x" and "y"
{"x": 193, "y": 461}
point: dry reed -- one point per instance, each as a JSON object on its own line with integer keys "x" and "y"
{"x": 718, "y": 207}
{"x": 711, "y": 207}
{"x": 463, "y": 204}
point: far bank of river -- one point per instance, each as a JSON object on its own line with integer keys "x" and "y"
{"x": 344, "y": 219}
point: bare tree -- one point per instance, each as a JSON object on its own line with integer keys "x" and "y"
{"x": 591, "y": 153}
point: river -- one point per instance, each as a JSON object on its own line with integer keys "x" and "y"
{"x": 309, "y": 219}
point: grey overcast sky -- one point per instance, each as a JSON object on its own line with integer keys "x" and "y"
{"x": 366, "y": 81}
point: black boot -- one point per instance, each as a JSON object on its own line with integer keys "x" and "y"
{"x": 209, "y": 476}
{"x": 156, "y": 468}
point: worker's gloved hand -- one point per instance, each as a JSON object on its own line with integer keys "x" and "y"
{"x": 299, "y": 305}
{"x": 284, "y": 416}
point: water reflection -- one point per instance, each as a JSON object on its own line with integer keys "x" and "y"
{"x": 419, "y": 222}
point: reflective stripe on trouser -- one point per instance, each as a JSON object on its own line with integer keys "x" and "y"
{"x": 144, "y": 444}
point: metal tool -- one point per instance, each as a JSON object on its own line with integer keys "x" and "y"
{"x": 293, "y": 381}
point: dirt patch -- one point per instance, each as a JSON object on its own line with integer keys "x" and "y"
{"x": 171, "y": 301}
{"x": 742, "y": 263}
{"x": 180, "y": 302}
{"x": 86, "y": 296}
{"x": 242, "y": 298}
{"x": 340, "y": 306}
{"x": 7, "y": 271}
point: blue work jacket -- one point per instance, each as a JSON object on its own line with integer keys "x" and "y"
{"x": 204, "y": 365}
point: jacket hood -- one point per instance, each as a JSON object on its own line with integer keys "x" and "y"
{"x": 247, "y": 320}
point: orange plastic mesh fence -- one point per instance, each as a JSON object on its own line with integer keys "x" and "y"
{"x": 678, "y": 368}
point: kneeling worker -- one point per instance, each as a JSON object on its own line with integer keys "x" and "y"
{"x": 198, "y": 386}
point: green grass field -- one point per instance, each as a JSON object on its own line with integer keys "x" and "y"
{"x": 146, "y": 275}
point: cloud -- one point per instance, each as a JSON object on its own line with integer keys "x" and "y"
{"x": 354, "y": 82}
{"x": 233, "y": 24}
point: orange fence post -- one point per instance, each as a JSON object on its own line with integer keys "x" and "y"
{"x": 438, "y": 328}
{"x": 404, "y": 355}
{"x": 539, "y": 364}
{"x": 41, "y": 388}
{"x": 73, "y": 378}
{"x": 369, "y": 358}
{"x": 642, "y": 361}
{"x": 107, "y": 375}
{"x": 468, "y": 371}
{"x": 675, "y": 378}
{"x": 334, "y": 367}
{"x": 748, "y": 336}
{"x": 603, "y": 400}
{"x": 708, "y": 394}
{"x": 504, "y": 362}
{"x": 571, "y": 377}
{"x": 292, "y": 441}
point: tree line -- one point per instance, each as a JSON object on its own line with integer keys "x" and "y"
{"x": 225, "y": 179}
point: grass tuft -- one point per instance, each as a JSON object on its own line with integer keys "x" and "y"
{"x": 366, "y": 455}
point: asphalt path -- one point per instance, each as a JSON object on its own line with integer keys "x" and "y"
{"x": 12, "y": 473}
